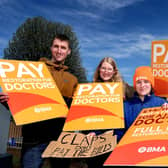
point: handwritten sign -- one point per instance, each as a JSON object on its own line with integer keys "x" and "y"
{"x": 160, "y": 67}
{"x": 78, "y": 145}
{"x": 33, "y": 93}
{"x": 96, "y": 106}
{"x": 145, "y": 142}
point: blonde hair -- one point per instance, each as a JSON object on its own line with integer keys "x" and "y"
{"x": 115, "y": 78}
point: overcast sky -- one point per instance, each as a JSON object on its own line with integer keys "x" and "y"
{"x": 122, "y": 29}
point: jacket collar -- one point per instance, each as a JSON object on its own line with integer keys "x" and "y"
{"x": 56, "y": 66}
{"x": 146, "y": 98}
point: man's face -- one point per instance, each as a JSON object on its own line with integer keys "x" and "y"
{"x": 60, "y": 50}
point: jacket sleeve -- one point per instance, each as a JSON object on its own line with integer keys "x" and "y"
{"x": 75, "y": 84}
{"x": 119, "y": 133}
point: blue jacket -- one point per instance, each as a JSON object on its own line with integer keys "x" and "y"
{"x": 133, "y": 107}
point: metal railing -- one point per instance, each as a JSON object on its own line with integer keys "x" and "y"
{"x": 15, "y": 138}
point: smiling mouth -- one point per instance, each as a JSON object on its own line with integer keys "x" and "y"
{"x": 106, "y": 76}
{"x": 144, "y": 90}
{"x": 58, "y": 55}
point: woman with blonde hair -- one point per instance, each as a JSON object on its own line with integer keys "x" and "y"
{"x": 107, "y": 71}
{"x": 112, "y": 68}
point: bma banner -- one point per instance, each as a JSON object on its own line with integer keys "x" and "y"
{"x": 33, "y": 93}
{"x": 78, "y": 145}
{"x": 96, "y": 106}
{"x": 146, "y": 141}
{"x": 160, "y": 67}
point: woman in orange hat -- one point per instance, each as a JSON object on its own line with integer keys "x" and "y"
{"x": 143, "y": 98}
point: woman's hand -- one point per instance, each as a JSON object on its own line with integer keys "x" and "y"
{"x": 4, "y": 97}
{"x": 165, "y": 106}
{"x": 91, "y": 134}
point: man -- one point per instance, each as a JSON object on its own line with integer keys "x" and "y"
{"x": 37, "y": 136}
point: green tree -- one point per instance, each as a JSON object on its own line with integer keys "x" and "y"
{"x": 33, "y": 39}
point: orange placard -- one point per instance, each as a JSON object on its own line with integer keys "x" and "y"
{"x": 160, "y": 67}
{"x": 33, "y": 93}
{"x": 146, "y": 141}
{"x": 96, "y": 106}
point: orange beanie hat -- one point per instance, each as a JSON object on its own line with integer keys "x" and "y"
{"x": 143, "y": 72}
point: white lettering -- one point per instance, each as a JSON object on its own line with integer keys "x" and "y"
{"x": 156, "y": 52}
{"x": 5, "y": 67}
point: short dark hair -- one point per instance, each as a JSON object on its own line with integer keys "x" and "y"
{"x": 62, "y": 37}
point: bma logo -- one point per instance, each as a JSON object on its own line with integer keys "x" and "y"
{"x": 152, "y": 149}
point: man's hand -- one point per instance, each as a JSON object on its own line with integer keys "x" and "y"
{"x": 4, "y": 97}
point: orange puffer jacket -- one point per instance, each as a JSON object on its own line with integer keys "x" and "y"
{"x": 65, "y": 81}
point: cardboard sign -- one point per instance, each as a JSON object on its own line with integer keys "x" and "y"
{"x": 96, "y": 106}
{"x": 146, "y": 141}
{"x": 33, "y": 93}
{"x": 160, "y": 67}
{"x": 78, "y": 145}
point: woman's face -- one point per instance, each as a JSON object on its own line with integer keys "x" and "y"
{"x": 143, "y": 87}
{"x": 106, "y": 71}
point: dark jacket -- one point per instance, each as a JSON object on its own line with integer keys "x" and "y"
{"x": 45, "y": 131}
{"x": 128, "y": 91}
{"x": 133, "y": 107}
